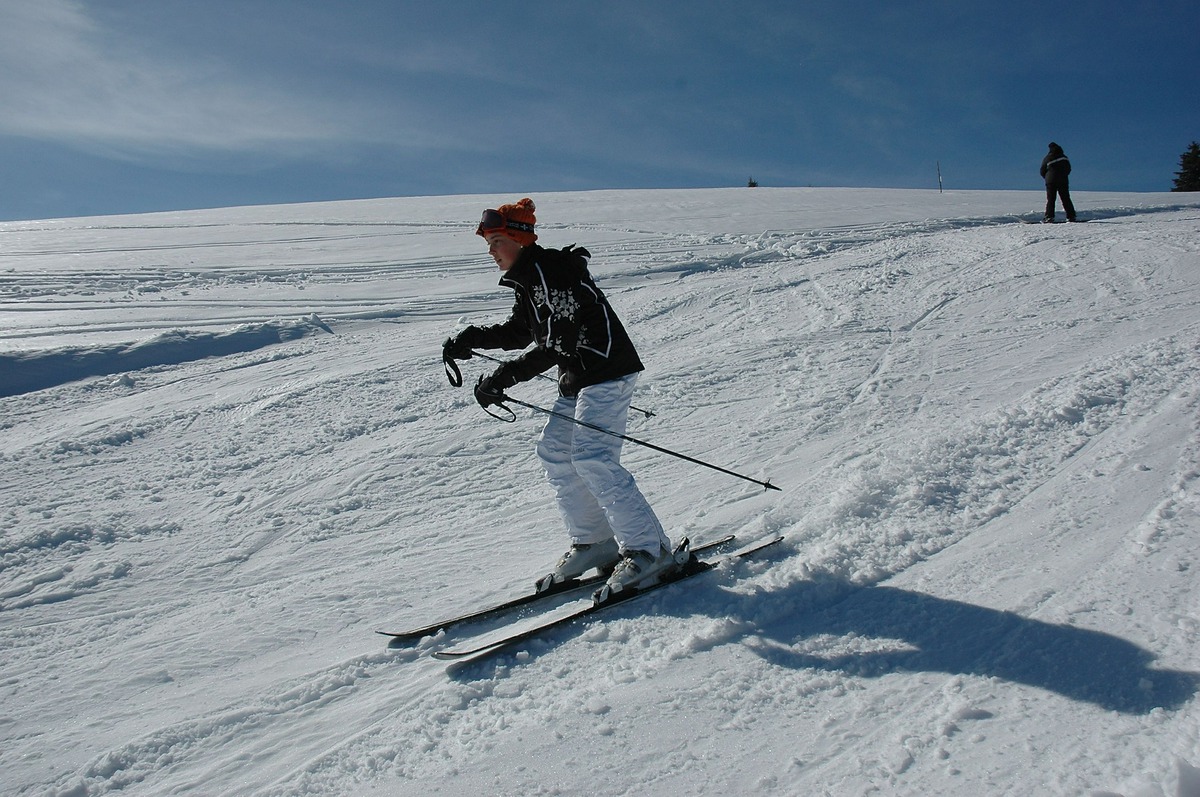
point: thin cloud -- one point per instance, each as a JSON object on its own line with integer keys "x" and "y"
{"x": 63, "y": 77}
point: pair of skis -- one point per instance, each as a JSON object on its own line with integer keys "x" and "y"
{"x": 513, "y": 634}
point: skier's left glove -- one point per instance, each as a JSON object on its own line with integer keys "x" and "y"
{"x": 489, "y": 390}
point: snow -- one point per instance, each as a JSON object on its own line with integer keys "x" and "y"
{"x": 230, "y": 455}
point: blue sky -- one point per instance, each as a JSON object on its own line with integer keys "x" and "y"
{"x": 125, "y": 106}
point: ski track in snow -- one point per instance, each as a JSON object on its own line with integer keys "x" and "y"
{"x": 987, "y": 435}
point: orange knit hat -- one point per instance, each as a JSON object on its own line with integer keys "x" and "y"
{"x": 519, "y": 222}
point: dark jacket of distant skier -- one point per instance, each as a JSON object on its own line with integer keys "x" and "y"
{"x": 1055, "y": 168}
{"x": 559, "y": 307}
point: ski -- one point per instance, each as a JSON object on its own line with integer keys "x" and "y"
{"x": 586, "y": 607}
{"x": 413, "y": 635}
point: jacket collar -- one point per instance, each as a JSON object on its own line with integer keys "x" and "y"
{"x": 523, "y": 266}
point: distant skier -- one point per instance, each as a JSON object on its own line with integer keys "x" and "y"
{"x": 1055, "y": 168}
{"x": 570, "y": 324}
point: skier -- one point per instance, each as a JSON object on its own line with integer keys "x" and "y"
{"x": 1055, "y": 168}
{"x": 570, "y": 324}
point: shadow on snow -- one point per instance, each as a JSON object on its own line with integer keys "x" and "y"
{"x": 910, "y": 632}
{"x": 940, "y": 635}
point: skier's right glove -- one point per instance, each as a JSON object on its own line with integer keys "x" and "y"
{"x": 459, "y": 347}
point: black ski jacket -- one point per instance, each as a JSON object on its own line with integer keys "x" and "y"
{"x": 560, "y": 310}
{"x": 1055, "y": 166}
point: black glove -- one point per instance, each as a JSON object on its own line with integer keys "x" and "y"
{"x": 459, "y": 347}
{"x": 489, "y": 390}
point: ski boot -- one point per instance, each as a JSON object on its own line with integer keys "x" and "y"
{"x": 581, "y": 558}
{"x": 638, "y": 569}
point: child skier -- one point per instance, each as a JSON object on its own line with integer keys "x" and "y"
{"x": 570, "y": 324}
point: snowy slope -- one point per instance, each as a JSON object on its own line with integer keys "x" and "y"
{"x": 230, "y": 455}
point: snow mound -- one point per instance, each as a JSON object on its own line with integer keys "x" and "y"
{"x": 27, "y": 371}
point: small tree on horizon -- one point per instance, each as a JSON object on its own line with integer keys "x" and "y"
{"x": 1188, "y": 176}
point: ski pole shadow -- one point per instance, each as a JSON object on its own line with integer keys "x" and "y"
{"x": 922, "y": 633}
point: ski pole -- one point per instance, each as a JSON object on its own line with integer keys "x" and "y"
{"x": 647, "y": 413}
{"x": 455, "y": 376}
{"x": 660, "y": 449}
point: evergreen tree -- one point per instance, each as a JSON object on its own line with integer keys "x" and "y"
{"x": 1188, "y": 176}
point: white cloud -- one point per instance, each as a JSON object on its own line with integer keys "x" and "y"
{"x": 64, "y": 77}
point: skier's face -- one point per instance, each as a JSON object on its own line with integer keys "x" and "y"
{"x": 504, "y": 250}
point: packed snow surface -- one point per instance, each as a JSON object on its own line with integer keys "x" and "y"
{"x": 229, "y": 455}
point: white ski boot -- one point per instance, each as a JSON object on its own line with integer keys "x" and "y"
{"x": 638, "y": 569}
{"x": 603, "y": 556}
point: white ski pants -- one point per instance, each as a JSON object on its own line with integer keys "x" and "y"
{"x": 596, "y": 496}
